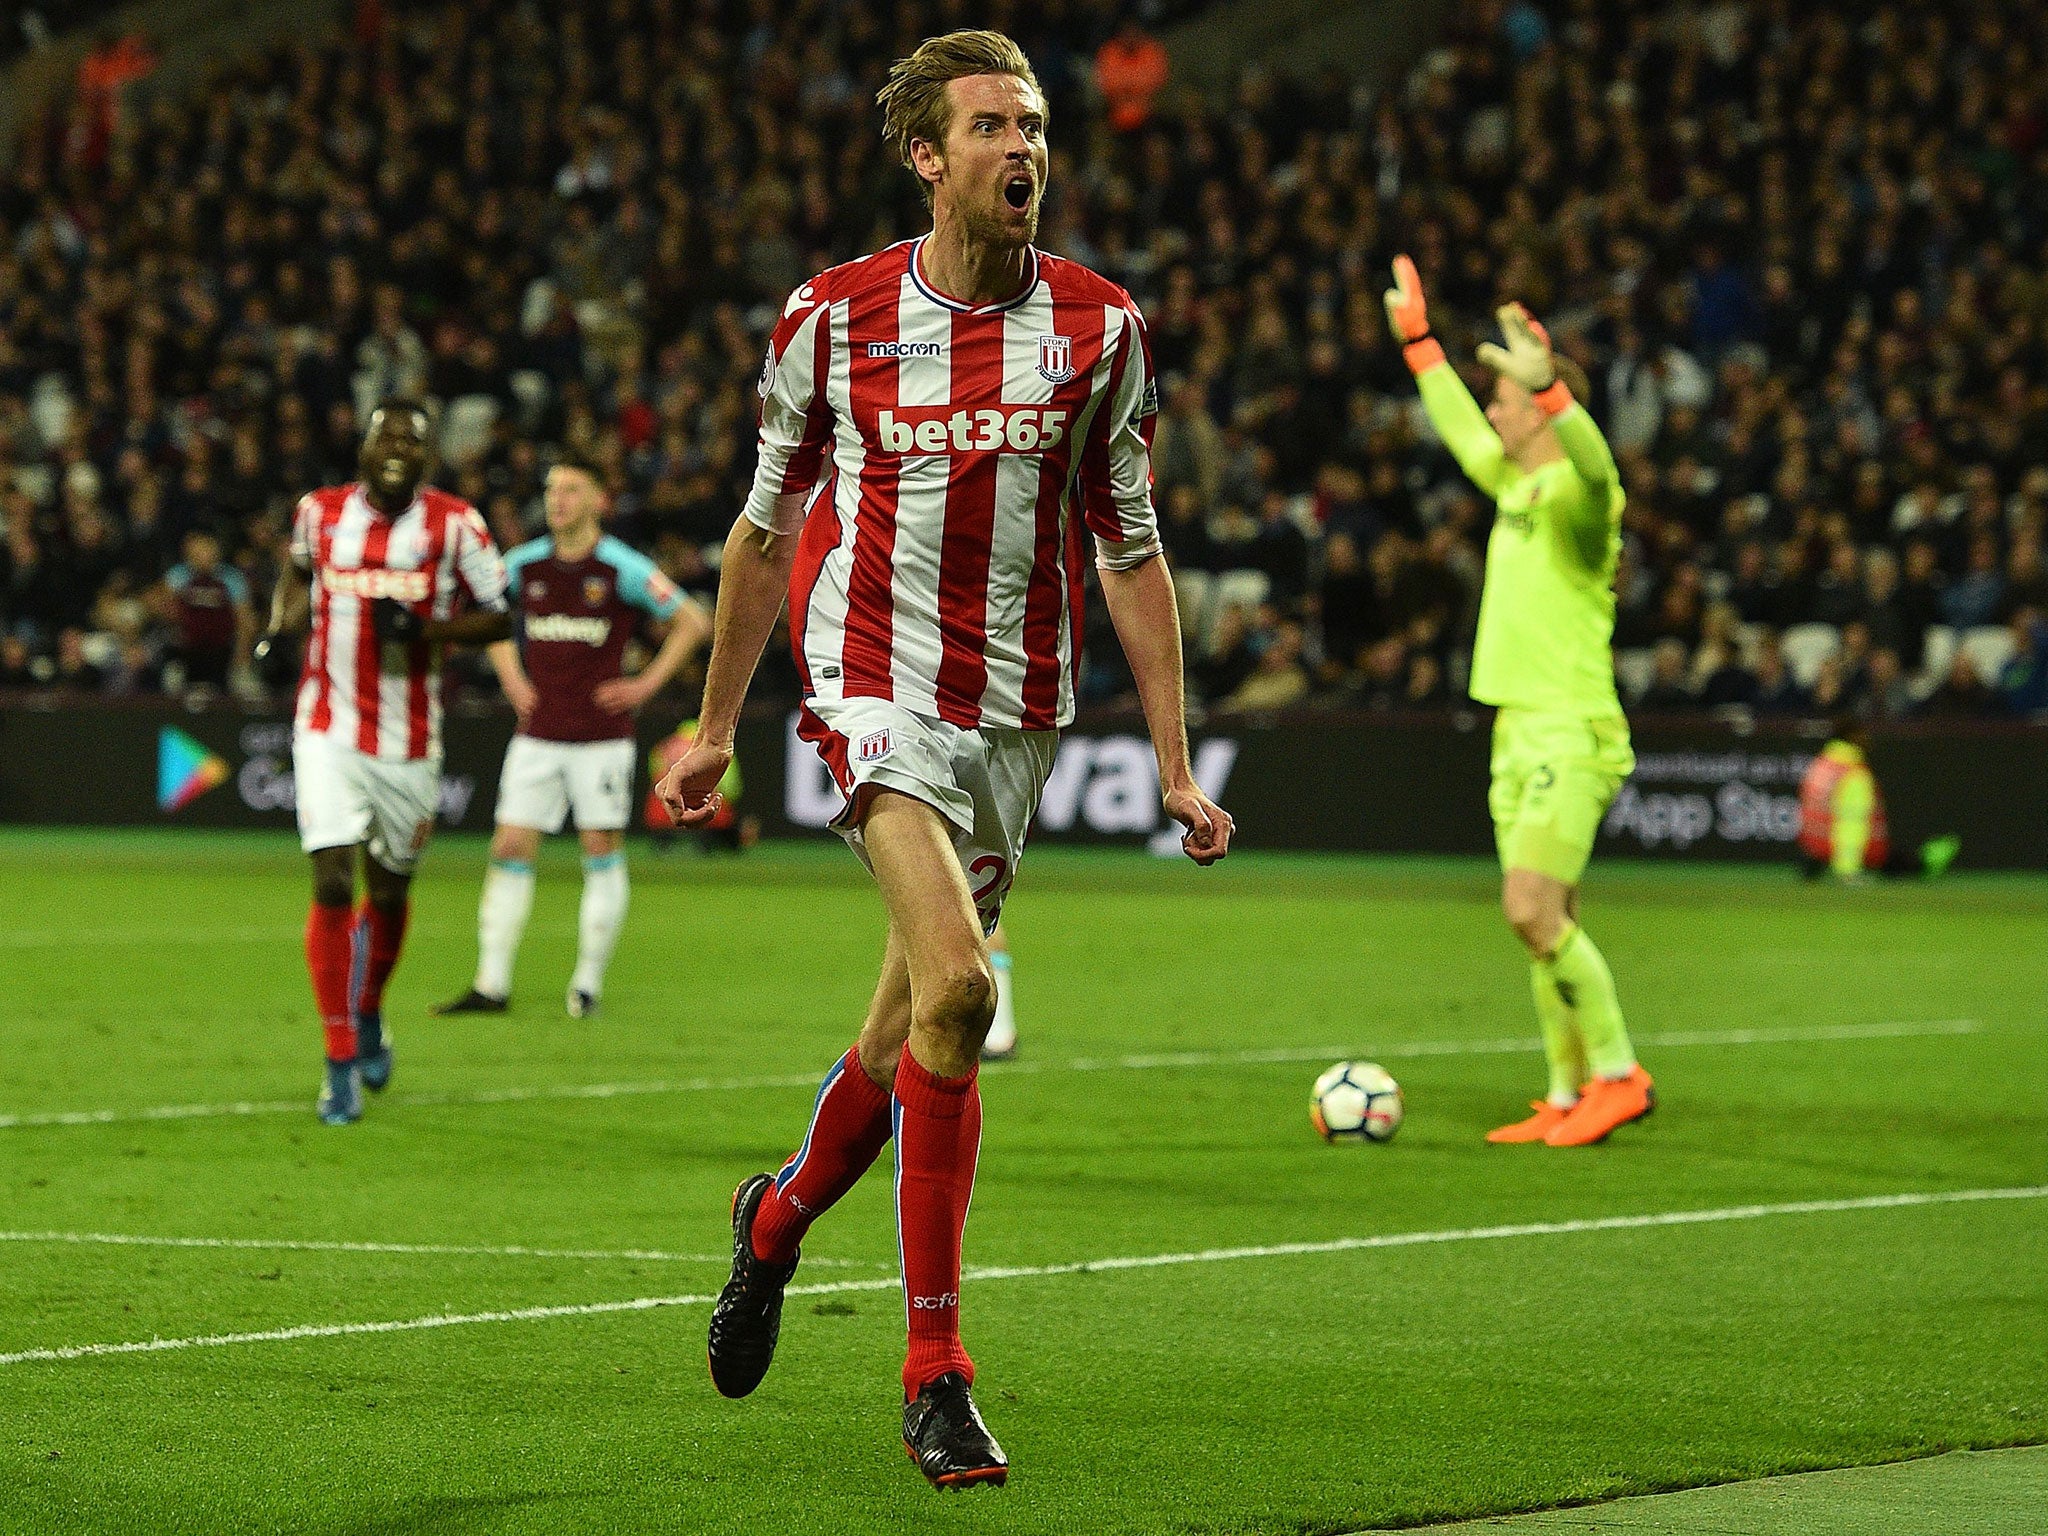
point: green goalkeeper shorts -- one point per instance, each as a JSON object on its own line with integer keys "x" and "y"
{"x": 1553, "y": 778}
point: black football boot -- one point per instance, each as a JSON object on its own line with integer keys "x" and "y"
{"x": 748, "y": 1318}
{"x": 943, "y": 1432}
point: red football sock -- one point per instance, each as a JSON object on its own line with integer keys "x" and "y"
{"x": 327, "y": 961}
{"x": 848, "y": 1130}
{"x": 382, "y": 935}
{"x": 938, "y": 1135}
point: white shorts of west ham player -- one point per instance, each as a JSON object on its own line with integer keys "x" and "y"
{"x": 985, "y": 782}
{"x": 544, "y": 781}
{"x": 347, "y": 797}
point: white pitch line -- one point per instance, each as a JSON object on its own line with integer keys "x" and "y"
{"x": 1079, "y": 1267}
{"x": 1392, "y": 1051}
{"x": 317, "y": 1245}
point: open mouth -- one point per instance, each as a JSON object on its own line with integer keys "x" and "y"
{"x": 1017, "y": 192}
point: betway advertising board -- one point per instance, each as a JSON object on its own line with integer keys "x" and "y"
{"x": 1336, "y": 783}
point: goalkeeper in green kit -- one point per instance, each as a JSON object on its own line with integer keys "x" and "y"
{"x": 1544, "y": 659}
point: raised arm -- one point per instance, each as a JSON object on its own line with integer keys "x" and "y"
{"x": 1527, "y": 359}
{"x": 1593, "y": 518}
{"x": 1462, "y": 425}
{"x": 1452, "y": 411}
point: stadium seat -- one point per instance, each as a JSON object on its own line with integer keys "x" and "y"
{"x": 1245, "y": 589}
{"x": 1806, "y": 646}
{"x": 1938, "y": 653}
{"x": 466, "y": 427}
{"x": 1989, "y": 648}
{"x": 531, "y": 389}
{"x": 1635, "y": 667}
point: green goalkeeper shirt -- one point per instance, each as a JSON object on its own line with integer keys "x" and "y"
{"x": 1546, "y": 616}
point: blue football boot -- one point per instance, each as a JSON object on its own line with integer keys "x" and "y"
{"x": 341, "y": 1100}
{"x": 373, "y": 1051}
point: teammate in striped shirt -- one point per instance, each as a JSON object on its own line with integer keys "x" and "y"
{"x": 397, "y": 571}
{"x": 938, "y": 420}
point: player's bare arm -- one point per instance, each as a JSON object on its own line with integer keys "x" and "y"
{"x": 752, "y": 586}
{"x": 687, "y": 631}
{"x": 480, "y": 626}
{"x": 519, "y": 690}
{"x": 291, "y": 613}
{"x": 1141, "y": 606}
{"x": 291, "y": 609}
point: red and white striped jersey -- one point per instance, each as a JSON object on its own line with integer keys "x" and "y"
{"x": 382, "y": 699}
{"x": 956, "y": 450}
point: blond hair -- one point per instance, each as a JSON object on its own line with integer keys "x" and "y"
{"x": 913, "y": 100}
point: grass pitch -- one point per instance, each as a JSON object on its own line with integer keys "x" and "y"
{"x": 1293, "y": 1337}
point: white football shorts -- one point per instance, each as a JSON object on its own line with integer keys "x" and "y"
{"x": 543, "y": 781}
{"x": 985, "y": 782}
{"x": 346, "y": 797}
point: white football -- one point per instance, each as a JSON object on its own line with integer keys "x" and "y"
{"x": 1356, "y": 1101}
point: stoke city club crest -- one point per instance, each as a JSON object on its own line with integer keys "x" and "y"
{"x": 1056, "y": 358}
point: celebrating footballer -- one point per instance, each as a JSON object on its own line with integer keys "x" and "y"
{"x": 938, "y": 421}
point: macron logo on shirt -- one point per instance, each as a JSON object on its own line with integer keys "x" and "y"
{"x": 905, "y": 349}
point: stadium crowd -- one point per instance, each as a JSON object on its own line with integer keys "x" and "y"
{"x": 1802, "y": 253}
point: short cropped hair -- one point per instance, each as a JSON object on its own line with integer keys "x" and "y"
{"x": 913, "y": 101}
{"x": 583, "y": 463}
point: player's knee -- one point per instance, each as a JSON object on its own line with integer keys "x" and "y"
{"x": 515, "y": 845}
{"x": 962, "y": 1001}
{"x": 1533, "y": 919}
{"x": 334, "y": 877}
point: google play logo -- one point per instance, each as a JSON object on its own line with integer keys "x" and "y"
{"x": 185, "y": 770}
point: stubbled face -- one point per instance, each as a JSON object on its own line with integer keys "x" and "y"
{"x": 574, "y": 501}
{"x": 1515, "y": 415}
{"x": 394, "y": 456}
{"x": 990, "y": 173}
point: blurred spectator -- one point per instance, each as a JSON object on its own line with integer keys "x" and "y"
{"x": 1797, "y": 251}
{"x": 1776, "y": 692}
{"x": 1962, "y": 694}
{"x": 1130, "y": 71}
{"x": 1668, "y": 691}
{"x": 1976, "y": 596}
{"x": 2023, "y": 681}
{"x": 1277, "y": 680}
{"x": 210, "y": 611}
{"x": 116, "y": 61}
{"x": 1887, "y": 693}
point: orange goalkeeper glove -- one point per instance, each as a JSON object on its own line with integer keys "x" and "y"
{"x": 1527, "y": 358}
{"x": 1408, "y": 314}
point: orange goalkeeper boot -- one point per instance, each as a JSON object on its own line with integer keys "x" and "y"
{"x": 1547, "y": 1118}
{"x": 1606, "y": 1103}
